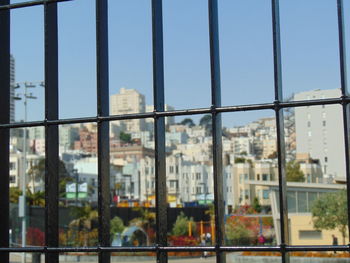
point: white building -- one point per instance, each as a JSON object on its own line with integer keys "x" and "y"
{"x": 128, "y": 101}
{"x": 319, "y": 132}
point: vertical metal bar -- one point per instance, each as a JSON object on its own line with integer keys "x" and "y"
{"x": 344, "y": 93}
{"x": 103, "y": 127}
{"x": 159, "y": 127}
{"x": 4, "y": 133}
{"x": 280, "y": 128}
{"x": 51, "y": 132}
{"x": 217, "y": 128}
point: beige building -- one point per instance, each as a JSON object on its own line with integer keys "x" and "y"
{"x": 252, "y": 179}
{"x": 128, "y": 101}
{"x": 300, "y": 197}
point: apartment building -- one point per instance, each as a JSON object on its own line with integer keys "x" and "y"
{"x": 317, "y": 132}
{"x": 128, "y": 101}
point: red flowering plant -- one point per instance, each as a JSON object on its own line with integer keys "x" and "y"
{"x": 242, "y": 229}
{"x": 35, "y": 237}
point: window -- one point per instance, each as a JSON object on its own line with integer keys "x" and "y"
{"x": 102, "y": 119}
{"x": 12, "y": 166}
{"x": 266, "y": 194}
{"x": 302, "y": 202}
{"x": 173, "y": 184}
{"x": 292, "y": 202}
{"x": 310, "y": 234}
{"x": 12, "y": 179}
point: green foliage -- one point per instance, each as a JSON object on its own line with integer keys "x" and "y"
{"x": 294, "y": 174}
{"x": 125, "y": 137}
{"x": 329, "y": 212}
{"x": 256, "y": 205}
{"x": 117, "y": 225}
{"x": 145, "y": 220}
{"x": 205, "y": 120}
{"x": 188, "y": 122}
{"x": 211, "y": 211}
{"x": 181, "y": 225}
{"x": 272, "y": 155}
{"x": 240, "y": 160}
{"x": 37, "y": 172}
{"x": 36, "y": 198}
{"x": 87, "y": 218}
{"x": 14, "y": 195}
{"x": 237, "y": 235}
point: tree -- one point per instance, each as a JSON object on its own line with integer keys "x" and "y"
{"x": 237, "y": 234}
{"x": 37, "y": 172}
{"x": 35, "y": 198}
{"x": 294, "y": 174}
{"x": 181, "y": 225}
{"x": 188, "y": 122}
{"x": 256, "y": 205}
{"x": 15, "y": 193}
{"x": 86, "y": 223}
{"x": 329, "y": 212}
{"x": 240, "y": 160}
{"x": 206, "y": 122}
{"x": 125, "y": 137}
{"x": 117, "y": 225}
{"x": 272, "y": 155}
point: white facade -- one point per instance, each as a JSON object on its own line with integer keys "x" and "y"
{"x": 319, "y": 132}
{"x": 128, "y": 101}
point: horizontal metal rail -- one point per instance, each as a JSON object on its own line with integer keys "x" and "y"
{"x": 30, "y": 3}
{"x": 227, "y": 109}
{"x": 175, "y": 249}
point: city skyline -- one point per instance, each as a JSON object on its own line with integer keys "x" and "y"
{"x": 246, "y": 52}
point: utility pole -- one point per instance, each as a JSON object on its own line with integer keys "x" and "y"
{"x": 22, "y": 201}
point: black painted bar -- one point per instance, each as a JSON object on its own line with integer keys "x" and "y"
{"x": 51, "y": 132}
{"x": 103, "y": 128}
{"x": 4, "y": 133}
{"x": 176, "y": 249}
{"x": 238, "y": 108}
{"x": 159, "y": 128}
{"x": 344, "y": 92}
{"x": 52, "y": 121}
{"x": 216, "y": 128}
{"x": 281, "y": 149}
{"x": 30, "y": 3}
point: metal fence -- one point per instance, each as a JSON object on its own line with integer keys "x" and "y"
{"x": 103, "y": 118}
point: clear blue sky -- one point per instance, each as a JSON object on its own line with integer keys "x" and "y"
{"x": 309, "y": 52}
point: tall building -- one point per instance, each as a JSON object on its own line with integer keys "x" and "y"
{"x": 128, "y": 101}
{"x": 12, "y": 89}
{"x": 319, "y": 132}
